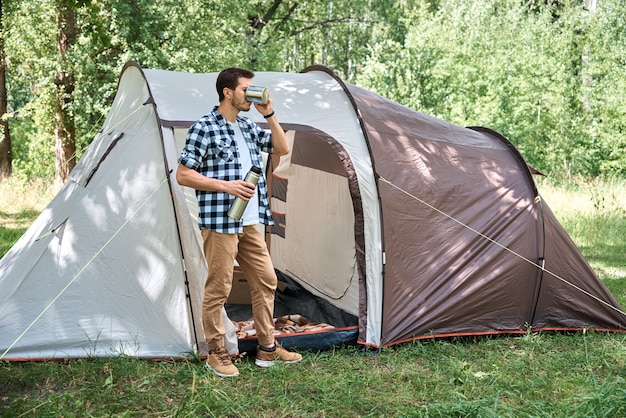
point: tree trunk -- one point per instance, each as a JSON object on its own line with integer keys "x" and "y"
{"x": 592, "y": 7}
{"x": 6, "y": 160}
{"x": 65, "y": 130}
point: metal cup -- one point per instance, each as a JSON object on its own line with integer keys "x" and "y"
{"x": 256, "y": 94}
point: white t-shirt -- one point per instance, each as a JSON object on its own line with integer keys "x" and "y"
{"x": 251, "y": 214}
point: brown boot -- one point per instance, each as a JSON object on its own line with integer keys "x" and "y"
{"x": 219, "y": 363}
{"x": 266, "y": 357}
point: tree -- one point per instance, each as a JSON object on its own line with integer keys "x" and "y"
{"x": 287, "y": 35}
{"x": 606, "y": 124}
{"x": 548, "y": 75}
{"x": 64, "y": 130}
{"x": 6, "y": 160}
{"x": 516, "y": 68}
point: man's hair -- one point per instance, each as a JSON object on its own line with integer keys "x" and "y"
{"x": 229, "y": 78}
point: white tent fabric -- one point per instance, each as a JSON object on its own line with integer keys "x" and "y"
{"x": 312, "y": 99}
{"x": 81, "y": 281}
{"x": 114, "y": 264}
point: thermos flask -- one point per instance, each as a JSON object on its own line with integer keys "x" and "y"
{"x": 256, "y": 94}
{"x": 239, "y": 205}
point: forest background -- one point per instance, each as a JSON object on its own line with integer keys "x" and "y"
{"x": 549, "y": 75}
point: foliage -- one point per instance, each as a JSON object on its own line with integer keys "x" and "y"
{"x": 529, "y": 73}
{"x": 606, "y": 92}
{"x": 550, "y": 76}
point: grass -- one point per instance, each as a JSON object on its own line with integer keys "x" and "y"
{"x": 530, "y": 376}
{"x": 594, "y": 214}
{"x": 535, "y": 375}
{"x": 21, "y": 203}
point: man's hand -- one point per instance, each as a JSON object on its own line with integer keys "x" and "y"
{"x": 264, "y": 109}
{"x": 191, "y": 178}
{"x": 279, "y": 140}
{"x": 240, "y": 188}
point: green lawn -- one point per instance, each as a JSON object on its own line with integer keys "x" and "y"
{"x": 535, "y": 375}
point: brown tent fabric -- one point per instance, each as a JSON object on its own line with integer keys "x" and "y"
{"x": 570, "y": 297}
{"x": 463, "y": 234}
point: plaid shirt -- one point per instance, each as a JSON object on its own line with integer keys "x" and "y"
{"x": 210, "y": 149}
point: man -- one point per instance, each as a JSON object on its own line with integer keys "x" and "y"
{"x": 219, "y": 150}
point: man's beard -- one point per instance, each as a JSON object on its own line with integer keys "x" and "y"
{"x": 241, "y": 106}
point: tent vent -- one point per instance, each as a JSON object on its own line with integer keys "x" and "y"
{"x": 114, "y": 141}
{"x": 57, "y": 231}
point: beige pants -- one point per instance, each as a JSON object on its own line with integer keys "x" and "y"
{"x": 250, "y": 251}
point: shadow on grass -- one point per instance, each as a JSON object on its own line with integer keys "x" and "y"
{"x": 13, "y": 226}
{"x": 29, "y": 214}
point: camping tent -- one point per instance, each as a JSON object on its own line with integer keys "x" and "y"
{"x": 398, "y": 225}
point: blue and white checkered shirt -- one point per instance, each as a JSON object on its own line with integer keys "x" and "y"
{"x": 210, "y": 149}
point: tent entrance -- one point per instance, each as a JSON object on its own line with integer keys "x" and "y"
{"x": 302, "y": 320}
{"x": 313, "y": 240}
